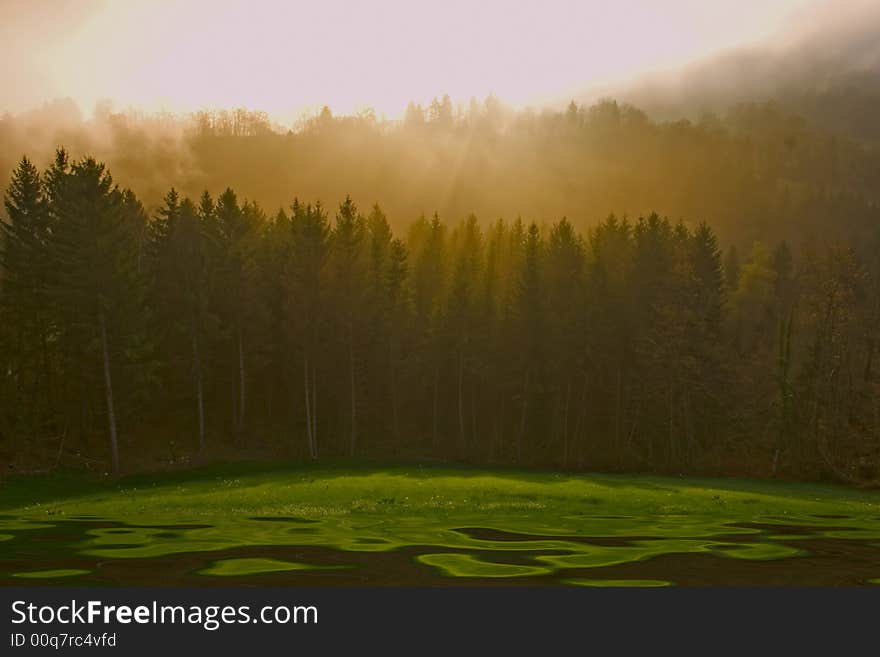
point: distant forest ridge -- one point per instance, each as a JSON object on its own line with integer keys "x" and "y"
{"x": 214, "y": 326}
{"x": 755, "y": 172}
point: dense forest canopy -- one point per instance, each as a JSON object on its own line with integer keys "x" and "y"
{"x": 215, "y": 324}
{"x": 754, "y": 172}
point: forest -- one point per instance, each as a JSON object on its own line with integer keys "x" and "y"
{"x": 756, "y": 171}
{"x": 730, "y": 328}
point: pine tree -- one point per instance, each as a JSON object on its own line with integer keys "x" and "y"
{"x": 705, "y": 262}
{"x": 179, "y": 292}
{"x": 348, "y": 275}
{"x": 427, "y": 242}
{"x": 731, "y": 268}
{"x": 275, "y": 354}
{"x": 461, "y": 311}
{"x": 398, "y": 320}
{"x": 235, "y": 232}
{"x": 565, "y": 301}
{"x": 377, "y": 388}
{"x": 530, "y": 321}
{"x": 611, "y": 318}
{"x": 94, "y": 251}
{"x": 25, "y": 269}
{"x": 306, "y": 301}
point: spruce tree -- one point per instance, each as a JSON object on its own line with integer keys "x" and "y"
{"x": 94, "y": 252}
{"x": 306, "y": 300}
{"x": 348, "y": 268}
{"x": 179, "y": 296}
{"x": 30, "y": 369}
{"x": 529, "y": 316}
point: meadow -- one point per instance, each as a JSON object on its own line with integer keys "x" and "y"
{"x": 351, "y": 524}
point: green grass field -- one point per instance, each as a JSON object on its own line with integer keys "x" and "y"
{"x": 365, "y": 524}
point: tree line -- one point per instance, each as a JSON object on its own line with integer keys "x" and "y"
{"x": 757, "y": 171}
{"x": 211, "y": 327}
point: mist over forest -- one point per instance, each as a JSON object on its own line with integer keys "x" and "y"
{"x": 827, "y": 71}
{"x": 775, "y": 140}
{"x": 756, "y": 171}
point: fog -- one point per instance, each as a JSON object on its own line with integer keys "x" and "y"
{"x": 826, "y": 67}
{"x": 287, "y": 56}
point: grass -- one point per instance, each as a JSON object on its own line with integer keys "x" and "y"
{"x": 466, "y": 522}
{"x": 345, "y": 489}
{"x": 236, "y": 567}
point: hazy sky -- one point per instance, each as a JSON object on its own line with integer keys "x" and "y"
{"x": 284, "y": 57}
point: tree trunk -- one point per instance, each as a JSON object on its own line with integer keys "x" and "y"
{"x": 241, "y": 381}
{"x": 308, "y": 406}
{"x": 435, "y": 438}
{"x": 461, "y": 439}
{"x": 582, "y": 421}
{"x": 565, "y": 426}
{"x": 315, "y": 412}
{"x": 48, "y": 373}
{"x": 474, "y": 414}
{"x": 395, "y": 413}
{"x": 234, "y": 389}
{"x": 670, "y": 458}
{"x": 522, "y": 420}
{"x": 494, "y": 440}
{"x": 617, "y": 411}
{"x": 688, "y": 426}
{"x": 785, "y": 331}
{"x": 351, "y": 385}
{"x": 197, "y": 372}
{"x": 108, "y": 385}
{"x": 501, "y": 425}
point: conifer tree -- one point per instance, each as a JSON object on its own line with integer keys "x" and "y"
{"x": 235, "y": 228}
{"x": 25, "y": 269}
{"x": 348, "y": 276}
{"x": 94, "y": 251}
{"x": 179, "y": 293}
{"x": 461, "y": 311}
{"x": 306, "y": 300}
{"x": 398, "y": 320}
{"x": 565, "y": 316}
{"x": 530, "y": 321}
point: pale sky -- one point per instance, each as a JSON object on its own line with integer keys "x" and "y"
{"x": 284, "y": 57}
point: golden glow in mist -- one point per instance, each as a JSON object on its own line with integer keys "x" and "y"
{"x": 286, "y": 57}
